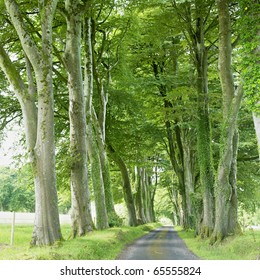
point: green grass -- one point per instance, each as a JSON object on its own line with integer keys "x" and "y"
{"x": 97, "y": 245}
{"x": 241, "y": 247}
{"x": 107, "y": 244}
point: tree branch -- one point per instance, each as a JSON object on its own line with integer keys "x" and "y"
{"x": 12, "y": 74}
{"x": 26, "y": 40}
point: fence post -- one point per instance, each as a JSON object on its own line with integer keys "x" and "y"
{"x": 12, "y": 230}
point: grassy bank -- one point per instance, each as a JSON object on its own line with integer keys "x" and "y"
{"x": 97, "y": 245}
{"x": 107, "y": 244}
{"x": 242, "y": 247}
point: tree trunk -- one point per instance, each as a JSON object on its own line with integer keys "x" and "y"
{"x": 225, "y": 188}
{"x": 206, "y": 172}
{"x": 46, "y": 229}
{"x": 154, "y": 189}
{"x": 179, "y": 171}
{"x": 128, "y": 196}
{"x": 96, "y": 155}
{"x": 188, "y": 164}
{"x": 203, "y": 127}
{"x": 80, "y": 195}
{"x": 113, "y": 218}
{"x": 146, "y": 196}
{"x": 99, "y": 121}
{"x": 25, "y": 97}
{"x": 149, "y": 199}
{"x": 256, "y": 115}
{"x": 226, "y": 196}
{"x": 139, "y": 197}
{"x": 233, "y": 225}
{"x": 256, "y": 120}
{"x": 104, "y": 167}
{"x": 46, "y": 226}
{"x": 175, "y": 153}
{"x": 97, "y": 180}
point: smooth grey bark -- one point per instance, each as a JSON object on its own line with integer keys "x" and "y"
{"x": 113, "y": 218}
{"x": 146, "y": 195}
{"x": 25, "y": 98}
{"x": 97, "y": 125}
{"x": 99, "y": 129}
{"x": 97, "y": 180}
{"x": 153, "y": 185}
{"x": 149, "y": 200}
{"x": 225, "y": 189}
{"x": 94, "y": 134}
{"x": 46, "y": 227}
{"x": 80, "y": 194}
{"x": 189, "y": 180}
{"x": 140, "y": 196}
{"x": 226, "y": 221}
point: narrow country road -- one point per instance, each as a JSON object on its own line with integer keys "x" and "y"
{"x": 160, "y": 244}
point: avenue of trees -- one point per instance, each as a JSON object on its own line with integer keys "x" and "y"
{"x": 154, "y": 104}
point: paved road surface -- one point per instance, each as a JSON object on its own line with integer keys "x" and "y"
{"x": 160, "y": 244}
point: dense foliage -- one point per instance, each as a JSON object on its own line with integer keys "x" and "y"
{"x": 140, "y": 82}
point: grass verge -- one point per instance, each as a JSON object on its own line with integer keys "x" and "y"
{"x": 242, "y": 247}
{"x": 97, "y": 245}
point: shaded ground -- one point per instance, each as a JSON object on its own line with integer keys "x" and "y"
{"x": 160, "y": 244}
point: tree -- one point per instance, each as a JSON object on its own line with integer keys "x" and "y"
{"x": 101, "y": 33}
{"x": 80, "y": 195}
{"x": 250, "y": 64}
{"x": 144, "y": 197}
{"x": 226, "y": 221}
{"x": 16, "y": 191}
{"x": 96, "y": 130}
{"x": 39, "y": 121}
{"x": 134, "y": 86}
{"x": 127, "y": 191}
{"x": 7, "y": 182}
{"x": 155, "y": 54}
{"x": 196, "y": 34}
